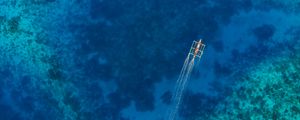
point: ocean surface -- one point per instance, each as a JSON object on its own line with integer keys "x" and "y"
{"x": 120, "y": 59}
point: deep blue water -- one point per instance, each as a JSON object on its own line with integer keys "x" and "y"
{"x": 120, "y": 59}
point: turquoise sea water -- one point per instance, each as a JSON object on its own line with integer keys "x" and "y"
{"x": 120, "y": 59}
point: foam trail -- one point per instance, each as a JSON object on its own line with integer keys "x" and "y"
{"x": 181, "y": 76}
{"x": 181, "y": 84}
{"x": 196, "y": 52}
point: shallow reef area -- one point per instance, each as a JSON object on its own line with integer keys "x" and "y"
{"x": 269, "y": 91}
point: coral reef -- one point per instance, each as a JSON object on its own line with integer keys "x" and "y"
{"x": 269, "y": 91}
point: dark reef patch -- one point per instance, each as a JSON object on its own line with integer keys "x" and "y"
{"x": 97, "y": 35}
{"x": 218, "y": 45}
{"x": 223, "y": 90}
{"x": 119, "y": 100}
{"x": 108, "y": 112}
{"x": 166, "y": 97}
{"x": 55, "y": 72}
{"x": 236, "y": 54}
{"x": 94, "y": 92}
{"x": 144, "y": 102}
{"x": 141, "y": 92}
{"x": 1, "y": 92}
{"x": 193, "y": 29}
{"x": 50, "y": 0}
{"x": 268, "y": 5}
{"x": 13, "y": 24}
{"x": 45, "y": 115}
{"x": 264, "y": 32}
{"x": 221, "y": 70}
{"x": 2, "y": 19}
{"x": 107, "y": 9}
{"x": 98, "y": 71}
{"x": 7, "y": 113}
{"x": 5, "y": 72}
{"x": 225, "y": 9}
{"x": 26, "y": 103}
{"x": 195, "y": 104}
{"x": 72, "y": 101}
{"x": 40, "y": 116}
{"x": 247, "y": 5}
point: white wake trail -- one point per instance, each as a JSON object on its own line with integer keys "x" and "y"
{"x": 195, "y": 52}
{"x": 181, "y": 84}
